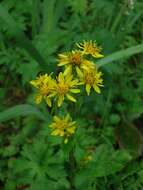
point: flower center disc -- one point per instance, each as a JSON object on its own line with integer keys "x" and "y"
{"x": 75, "y": 59}
{"x": 62, "y": 89}
{"x": 89, "y": 78}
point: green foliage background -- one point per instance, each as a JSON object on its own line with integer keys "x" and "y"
{"x": 32, "y": 33}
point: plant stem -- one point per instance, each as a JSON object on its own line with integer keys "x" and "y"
{"x": 71, "y": 169}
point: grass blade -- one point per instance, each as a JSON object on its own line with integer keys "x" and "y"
{"x": 122, "y": 54}
{"x": 20, "y": 110}
{"x": 52, "y": 12}
{"x": 35, "y": 17}
{"x": 48, "y": 15}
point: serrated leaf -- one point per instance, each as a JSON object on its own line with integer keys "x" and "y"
{"x": 20, "y": 37}
{"x": 105, "y": 161}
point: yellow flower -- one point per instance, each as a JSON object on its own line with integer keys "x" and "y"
{"x": 91, "y": 78}
{"x": 90, "y": 48}
{"x": 44, "y": 85}
{"x": 74, "y": 59}
{"x": 39, "y": 80}
{"x": 63, "y": 127}
{"x": 64, "y": 86}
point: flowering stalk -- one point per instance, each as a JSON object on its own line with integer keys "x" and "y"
{"x": 79, "y": 70}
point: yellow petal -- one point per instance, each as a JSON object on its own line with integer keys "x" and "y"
{"x": 56, "y": 119}
{"x": 97, "y": 55}
{"x": 80, "y": 83}
{"x": 71, "y": 130}
{"x": 74, "y": 83}
{"x": 79, "y": 72}
{"x": 65, "y": 141}
{"x": 79, "y": 45}
{"x": 71, "y": 98}
{"x": 88, "y": 87}
{"x": 34, "y": 83}
{"x": 55, "y": 132}
{"x": 48, "y": 101}
{"x": 52, "y": 94}
{"x": 68, "y": 78}
{"x": 38, "y": 98}
{"x": 60, "y": 100}
{"x": 72, "y": 123}
{"x": 68, "y": 70}
{"x": 62, "y": 63}
{"x": 62, "y": 133}
{"x": 67, "y": 118}
{"x": 97, "y": 89}
{"x": 75, "y": 91}
{"x": 61, "y": 77}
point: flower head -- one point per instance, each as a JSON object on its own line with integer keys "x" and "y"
{"x": 40, "y": 80}
{"x": 91, "y": 78}
{"x": 63, "y": 127}
{"x": 74, "y": 59}
{"x": 64, "y": 86}
{"x": 90, "y": 48}
{"x": 44, "y": 85}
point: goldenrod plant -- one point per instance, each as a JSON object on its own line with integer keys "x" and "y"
{"x": 71, "y": 93}
{"x": 79, "y": 70}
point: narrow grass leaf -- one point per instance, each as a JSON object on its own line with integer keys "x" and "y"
{"x": 35, "y": 17}
{"x": 122, "y": 54}
{"x": 20, "y": 110}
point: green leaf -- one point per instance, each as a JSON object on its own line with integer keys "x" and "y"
{"x": 130, "y": 137}
{"x": 52, "y": 12}
{"x": 120, "y": 55}
{"x": 82, "y": 179}
{"x": 105, "y": 161}
{"x": 9, "y": 151}
{"x": 35, "y": 17}
{"x": 79, "y": 6}
{"x": 20, "y": 110}
{"x": 114, "y": 119}
{"x": 42, "y": 184}
{"x": 20, "y": 37}
{"x": 79, "y": 153}
{"x": 31, "y": 69}
{"x": 10, "y": 184}
{"x": 48, "y": 15}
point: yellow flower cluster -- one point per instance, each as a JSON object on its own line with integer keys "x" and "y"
{"x": 63, "y": 127}
{"x": 78, "y": 70}
{"x": 76, "y": 62}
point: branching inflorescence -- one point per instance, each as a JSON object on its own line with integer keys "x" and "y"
{"x": 79, "y": 70}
